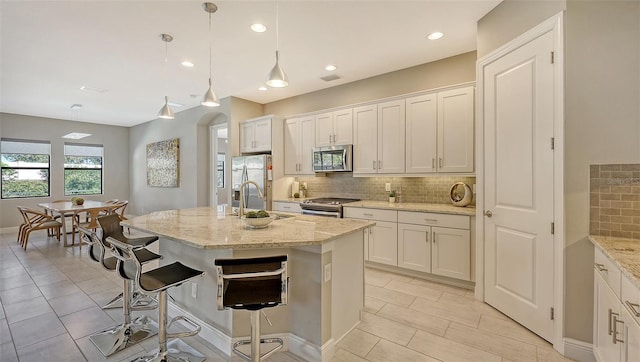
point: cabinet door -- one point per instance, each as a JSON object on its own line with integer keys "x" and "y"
{"x": 606, "y": 305}
{"x": 343, "y": 127}
{"x": 246, "y": 136}
{"x": 324, "y": 129}
{"x": 383, "y": 243}
{"x": 391, "y": 137}
{"x": 631, "y": 345}
{"x": 291, "y": 134}
{"x": 451, "y": 253}
{"x": 365, "y": 139}
{"x": 414, "y": 249}
{"x": 455, "y": 130}
{"x": 306, "y": 144}
{"x": 421, "y": 135}
{"x": 262, "y": 135}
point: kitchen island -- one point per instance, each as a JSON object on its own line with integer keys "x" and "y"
{"x": 326, "y": 270}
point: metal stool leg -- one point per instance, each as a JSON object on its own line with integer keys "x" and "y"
{"x": 256, "y": 341}
{"x": 126, "y": 334}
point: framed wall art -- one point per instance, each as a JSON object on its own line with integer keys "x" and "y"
{"x": 163, "y": 163}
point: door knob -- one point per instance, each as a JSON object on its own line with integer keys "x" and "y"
{"x": 488, "y": 213}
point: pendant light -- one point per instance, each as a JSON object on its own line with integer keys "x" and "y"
{"x": 165, "y": 111}
{"x": 210, "y": 98}
{"x": 277, "y": 77}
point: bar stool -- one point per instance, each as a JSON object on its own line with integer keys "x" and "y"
{"x": 130, "y": 331}
{"x": 158, "y": 280}
{"x": 253, "y": 284}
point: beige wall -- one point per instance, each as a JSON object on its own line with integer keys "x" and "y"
{"x": 445, "y": 72}
{"x": 116, "y": 158}
{"x": 602, "y": 117}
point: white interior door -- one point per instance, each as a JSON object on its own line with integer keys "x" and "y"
{"x": 518, "y": 184}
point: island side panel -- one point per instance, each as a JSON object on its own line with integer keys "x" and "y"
{"x": 347, "y": 297}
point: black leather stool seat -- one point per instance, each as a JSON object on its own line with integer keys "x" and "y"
{"x": 166, "y": 276}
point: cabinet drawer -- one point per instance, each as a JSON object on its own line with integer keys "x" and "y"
{"x": 370, "y": 214}
{"x": 608, "y": 270}
{"x": 287, "y": 206}
{"x": 631, "y": 298}
{"x": 428, "y": 218}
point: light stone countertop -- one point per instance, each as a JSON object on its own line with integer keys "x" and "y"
{"x": 625, "y": 253}
{"x": 204, "y": 227}
{"x": 403, "y": 206}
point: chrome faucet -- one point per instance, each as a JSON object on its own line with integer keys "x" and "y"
{"x": 241, "y": 203}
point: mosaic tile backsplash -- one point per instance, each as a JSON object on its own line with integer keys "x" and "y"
{"x": 414, "y": 189}
{"x": 614, "y": 199}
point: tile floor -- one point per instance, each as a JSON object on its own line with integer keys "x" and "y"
{"x": 50, "y": 297}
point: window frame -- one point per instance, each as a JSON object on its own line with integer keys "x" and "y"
{"x": 65, "y": 168}
{"x": 48, "y": 168}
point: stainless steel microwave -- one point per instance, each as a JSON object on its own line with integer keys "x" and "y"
{"x": 333, "y": 159}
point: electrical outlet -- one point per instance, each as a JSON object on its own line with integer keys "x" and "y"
{"x": 387, "y": 186}
{"x": 327, "y": 272}
{"x": 194, "y": 290}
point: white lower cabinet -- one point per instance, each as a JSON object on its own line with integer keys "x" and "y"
{"x": 616, "y": 306}
{"x": 433, "y": 243}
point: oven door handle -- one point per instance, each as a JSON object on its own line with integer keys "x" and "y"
{"x": 321, "y": 213}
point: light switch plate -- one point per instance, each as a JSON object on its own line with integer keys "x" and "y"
{"x": 194, "y": 290}
{"x": 327, "y": 272}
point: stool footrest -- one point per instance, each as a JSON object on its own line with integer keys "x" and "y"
{"x": 193, "y": 332}
{"x": 265, "y": 355}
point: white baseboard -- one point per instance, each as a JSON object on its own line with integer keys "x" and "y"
{"x": 292, "y": 343}
{"x": 9, "y": 230}
{"x": 578, "y": 350}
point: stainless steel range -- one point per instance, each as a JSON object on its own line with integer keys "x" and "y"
{"x": 325, "y": 206}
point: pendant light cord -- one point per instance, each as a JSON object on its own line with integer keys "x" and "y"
{"x": 209, "y": 46}
{"x": 277, "y": 28}
{"x": 166, "y": 62}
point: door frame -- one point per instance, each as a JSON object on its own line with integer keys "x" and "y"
{"x": 555, "y": 24}
{"x": 213, "y": 163}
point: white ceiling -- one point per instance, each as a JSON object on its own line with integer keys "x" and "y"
{"x": 49, "y": 49}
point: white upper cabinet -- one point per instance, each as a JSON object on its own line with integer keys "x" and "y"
{"x": 379, "y": 134}
{"x": 422, "y": 133}
{"x": 391, "y": 137}
{"x": 365, "y": 139}
{"x": 455, "y": 130}
{"x": 299, "y": 138}
{"x": 334, "y": 128}
{"x": 255, "y": 135}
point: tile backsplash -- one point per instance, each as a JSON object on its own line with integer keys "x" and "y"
{"x": 614, "y": 200}
{"x": 433, "y": 189}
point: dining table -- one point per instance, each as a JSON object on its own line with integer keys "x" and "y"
{"x": 91, "y": 207}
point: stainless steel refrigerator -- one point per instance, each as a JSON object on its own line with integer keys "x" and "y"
{"x": 256, "y": 168}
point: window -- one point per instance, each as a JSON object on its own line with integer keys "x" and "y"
{"x": 82, "y": 169}
{"x": 221, "y": 170}
{"x": 25, "y": 168}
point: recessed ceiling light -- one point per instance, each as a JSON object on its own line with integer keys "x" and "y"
{"x": 258, "y": 28}
{"x": 262, "y": 88}
{"x": 76, "y": 106}
{"x": 91, "y": 89}
{"x": 187, "y": 64}
{"x": 435, "y": 35}
{"x": 330, "y": 67}
{"x": 76, "y": 135}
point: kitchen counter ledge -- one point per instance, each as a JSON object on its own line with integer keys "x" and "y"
{"x": 205, "y": 228}
{"x": 625, "y": 253}
{"x": 403, "y": 206}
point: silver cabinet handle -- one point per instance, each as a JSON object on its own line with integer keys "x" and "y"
{"x": 427, "y": 236}
{"x": 433, "y": 236}
{"x": 634, "y": 307}
{"x": 367, "y": 214}
{"x": 609, "y": 329}
{"x": 431, "y": 220}
{"x": 433, "y": 163}
{"x": 488, "y": 213}
{"x": 379, "y": 164}
{"x": 615, "y": 328}
{"x": 374, "y": 164}
{"x": 440, "y": 162}
{"x": 287, "y": 207}
{"x": 600, "y": 267}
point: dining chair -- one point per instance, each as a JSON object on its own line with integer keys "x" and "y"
{"x": 119, "y": 210}
{"x": 58, "y": 216}
{"x": 91, "y": 222}
{"x": 35, "y": 220}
